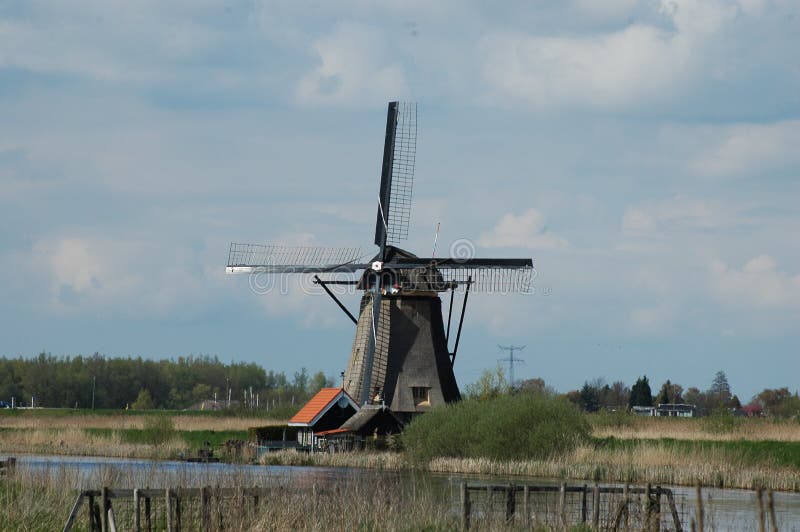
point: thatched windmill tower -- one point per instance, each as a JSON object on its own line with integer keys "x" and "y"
{"x": 400, "y": 354}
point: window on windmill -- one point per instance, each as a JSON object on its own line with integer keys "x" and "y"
{"x": 421, "y": 395}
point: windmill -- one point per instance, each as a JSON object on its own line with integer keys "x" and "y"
{"x": 400, "y": 355}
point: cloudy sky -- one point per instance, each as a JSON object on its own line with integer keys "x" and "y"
{"x": 643, "y": 152}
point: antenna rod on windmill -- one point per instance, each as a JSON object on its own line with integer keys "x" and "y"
{"x": 435, "y": 240}
{"x": 511, "y": 360}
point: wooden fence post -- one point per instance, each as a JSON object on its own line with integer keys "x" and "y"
{"x": 525, "y": 509}
{"x": 648, "y": 516}
{"x": 74, "y": 513}
{"x": 596, "y": 507}
{"x": 626, "y": 497}
{"x": 465, "y": 506}
{"x": 105, "y": 505}
{"x": 168, "y": 509}
{"x": 583, "y": 504}
{"x": 562, "y": 505}
{"x": 148, "y": 525}
{"x": 760, "y": 497}
{"x": 657, "y": 521}
{"x": 204, "y": 510}
{"x": 137, "y": 508}
{"x": 701, "y": 518}
{"x": 177, "y": 494}
{"x": 771, "y": 503}
{"x": 511, "y": 503}
{"x": 676, "y": 520}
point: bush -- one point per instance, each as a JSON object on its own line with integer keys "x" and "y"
{"x": 157, "y": 429}
{"x": 510, "y": 427}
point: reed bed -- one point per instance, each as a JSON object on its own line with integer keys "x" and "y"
{"x": 386, "y": 461}
{"x": 127, "y": 421}
{"x": 41, "y": 500}
{"x": 697, "y": 429}
{"x": 651, "y": 462}
{"x": 78, "y": 442}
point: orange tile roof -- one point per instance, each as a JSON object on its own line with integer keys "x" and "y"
{"x": 316, "y": 404}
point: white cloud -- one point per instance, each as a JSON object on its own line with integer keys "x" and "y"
{"x": 647, "y": 61}
{"x": 97, "y": 275}
{"x": 750, "y": 148}
{"x": 648, "y": 320}
{"x": 355, "y": 67}
{"x": 758, "y": 284}
{"x": 682, "y": 212}
{"x": 526, "y": 230}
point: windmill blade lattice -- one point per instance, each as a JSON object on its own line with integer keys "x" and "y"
{"x": 243, "y": 258}
{"x": 404, "y": 160}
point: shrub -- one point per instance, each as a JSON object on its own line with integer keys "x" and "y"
{"x": 157, "y": 429}
{"x": 521, "y": 426}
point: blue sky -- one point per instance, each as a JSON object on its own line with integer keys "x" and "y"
{"x": 644, "y": 153}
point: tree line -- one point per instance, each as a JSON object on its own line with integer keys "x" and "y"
{"x": 104, "y": 382}
{"x": 598, "y": 395}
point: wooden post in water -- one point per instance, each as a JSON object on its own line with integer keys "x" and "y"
{"x": 465, "y": 506}
{"x": 562, "y": 504}
{"x": 648, "y": 516}
{"x": 525, "y": 509}
{"x": 92, "y": 527}
{"x": 106, "y": 505}
{"x": 583, "y": 504}
{"x": 771, "y": 503}
{"x": 511, "y": 503}
{"x": 760, "y": 497}
{"x": 596, "y": 507}
{"x": 701, "y": 518}
{"x": 137, "y": 510}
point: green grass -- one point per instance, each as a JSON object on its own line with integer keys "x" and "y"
{"x": 749, "y": 452}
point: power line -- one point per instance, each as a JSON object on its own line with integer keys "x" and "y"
{"x": 511, "y": 359}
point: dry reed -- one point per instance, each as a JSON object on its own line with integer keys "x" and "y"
{"x": 701, "y": 429}
{"x": 116, "y": 422}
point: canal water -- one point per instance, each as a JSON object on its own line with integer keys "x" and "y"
{"x": 726, "y": 509}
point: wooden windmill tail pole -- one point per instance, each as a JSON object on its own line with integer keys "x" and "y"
{"x": 461, "y": 321}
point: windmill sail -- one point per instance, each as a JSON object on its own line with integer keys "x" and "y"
{"x": 248, "y": 258}
{"x": 397, "y": 174}
{"x": 486, "y": 275}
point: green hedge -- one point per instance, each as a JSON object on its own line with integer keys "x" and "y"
{"x": 511, "y": 427}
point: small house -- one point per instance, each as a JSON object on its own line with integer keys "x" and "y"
{"x": 676, "y": 410}
{"x": 327, "y": 410}
{"x": 373, "y": 423}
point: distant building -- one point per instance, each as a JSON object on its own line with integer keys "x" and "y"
{"x": 676, "y": 410}
{"x": 327, "y": 410}
{"x": 666, "y": 410}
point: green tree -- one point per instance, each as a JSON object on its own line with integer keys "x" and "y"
{"x": 490, "y": 384}
{"x": 641, "y": 394}
{"x": 589, "y": 398}
{"x": 719, "y": 394}
{"x": 144, "y": 401}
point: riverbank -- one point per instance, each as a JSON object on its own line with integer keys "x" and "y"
{"x": 729, "y": 453}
